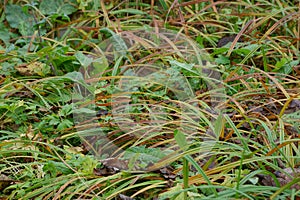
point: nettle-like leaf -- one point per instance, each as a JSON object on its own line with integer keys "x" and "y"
{"x": 17, "y": 18}
{"x": 59, "y": 7}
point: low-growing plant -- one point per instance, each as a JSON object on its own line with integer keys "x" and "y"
{"x": 235, "y": 137}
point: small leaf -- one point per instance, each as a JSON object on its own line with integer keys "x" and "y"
{"x": 74, "y": 76}
{"x": 219, "y": 125}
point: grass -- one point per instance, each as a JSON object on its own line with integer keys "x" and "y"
{"x": 137, "y": 100}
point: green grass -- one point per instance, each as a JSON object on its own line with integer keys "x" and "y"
{"x": 92, "y": 108}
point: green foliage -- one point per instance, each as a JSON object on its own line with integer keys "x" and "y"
{"x": 57, "y": 7}
{"x": 55, "y": 55}
{"x": 20, "y": 19}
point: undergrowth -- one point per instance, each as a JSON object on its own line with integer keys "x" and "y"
{"x": 214, "y": 114}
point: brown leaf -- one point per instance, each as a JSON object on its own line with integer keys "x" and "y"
{"x": 297, "y": 69}
{"x": 116, "y": 163}
{"x": 225, "y": 40}
{"x": 111, "y": 166}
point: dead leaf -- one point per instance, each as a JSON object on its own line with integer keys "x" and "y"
{"x": 225, "y": 40}
{"x": 34, "y": 68}
{"x": 111, "y": 166}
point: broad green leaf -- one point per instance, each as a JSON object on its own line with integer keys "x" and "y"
{"x": 100, "y": 65}
{"x": 19, "y": 20}
{"x": 15, "y": 15}
{"x": 84, "y": 60}
{"x": 53, "y": 168}
{"x": 119, "y": 45}
{"x": 77, "y": 77}
{"x": 56, "y": 7}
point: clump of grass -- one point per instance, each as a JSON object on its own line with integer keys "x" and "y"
{"x": 255, "y": 138}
